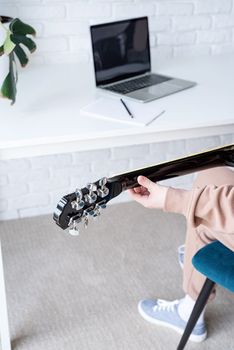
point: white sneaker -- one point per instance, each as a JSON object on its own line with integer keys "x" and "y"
{"x": 165, "y": 313}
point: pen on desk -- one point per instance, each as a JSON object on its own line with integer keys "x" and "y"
{"x": 156, "y": 117}
{"x": 126, "y": 107}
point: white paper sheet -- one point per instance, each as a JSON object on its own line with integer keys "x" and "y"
{"x": 112, "y": 109}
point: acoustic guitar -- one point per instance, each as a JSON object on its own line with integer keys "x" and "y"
{"x": 78, "y": 206}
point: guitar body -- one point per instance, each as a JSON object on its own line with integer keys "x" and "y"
{"x": 78, "y": 206}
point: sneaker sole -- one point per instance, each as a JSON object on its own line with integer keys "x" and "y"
{"x": 194, "y": 338}
{"x": 181, "y": 265}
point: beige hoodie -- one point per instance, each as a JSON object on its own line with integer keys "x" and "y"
{"x": 211, "y": 206}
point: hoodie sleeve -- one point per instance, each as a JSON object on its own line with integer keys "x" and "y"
{"x": 211, "y": 206}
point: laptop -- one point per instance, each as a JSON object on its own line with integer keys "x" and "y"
{"x": 122, "y": 64}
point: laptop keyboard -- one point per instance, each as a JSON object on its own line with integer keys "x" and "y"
{"x": 138, "y": 83}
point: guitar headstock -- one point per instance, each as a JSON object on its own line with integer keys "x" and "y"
{"x": 79, "y": 206}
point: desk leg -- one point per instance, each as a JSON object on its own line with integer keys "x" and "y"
{"x": 4, "y": 324}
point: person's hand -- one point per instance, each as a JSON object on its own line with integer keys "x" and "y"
{"x": 149, "y": 194}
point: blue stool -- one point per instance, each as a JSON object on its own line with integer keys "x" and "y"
{"x": 216, "y": 262}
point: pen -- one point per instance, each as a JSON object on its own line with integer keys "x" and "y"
{"x": 126, "y": 107}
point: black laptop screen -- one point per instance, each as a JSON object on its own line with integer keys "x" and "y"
{"x": 120, "y": 50}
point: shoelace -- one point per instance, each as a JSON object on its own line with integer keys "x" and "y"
{"x": 165, "y": 305}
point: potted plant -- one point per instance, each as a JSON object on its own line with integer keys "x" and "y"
{"x": 13, "y": 34}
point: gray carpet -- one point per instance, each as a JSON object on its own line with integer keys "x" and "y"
{"x": 82, "y": 292}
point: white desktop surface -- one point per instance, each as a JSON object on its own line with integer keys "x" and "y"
{"x": 46, "y": 120}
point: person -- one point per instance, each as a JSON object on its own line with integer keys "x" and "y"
{"x": 209, "y": 211}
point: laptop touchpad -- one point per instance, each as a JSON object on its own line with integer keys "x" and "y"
{"x": 155, "y": 91}
{"x": 163, "y": 89}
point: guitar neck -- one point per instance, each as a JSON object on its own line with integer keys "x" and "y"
{"x": 222, "y": 156}
{"x": 76, "y": 206}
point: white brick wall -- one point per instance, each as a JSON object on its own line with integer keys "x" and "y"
{"x": 177, "y": 27}
{"x": 213, "y": 6}
{"x": 33, "y": 186}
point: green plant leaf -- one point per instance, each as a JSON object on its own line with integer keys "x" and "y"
{"x": 15, "y": 37}
{"x": 8, "y": 88}
{"x": 21, "y": 39}
{"x": 21, "y": 28}
{"x": 8, "y": 45}
{"x": 21, "y": 55}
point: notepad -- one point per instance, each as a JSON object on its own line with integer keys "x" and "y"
{"x": 113, "y": 110}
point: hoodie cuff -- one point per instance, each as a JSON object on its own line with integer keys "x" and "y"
{"x": 177, "y": 201}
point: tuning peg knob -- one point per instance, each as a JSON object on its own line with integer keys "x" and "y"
{"x": 78, "y": 203}
{"x": 91, "y": 187}
{"x": 73, "y": 229}
{"x": 102, "y": 182}
{"x": 103, "y": 191}
{"x": 79, "y": 194}
{"x": 91, "y": 197}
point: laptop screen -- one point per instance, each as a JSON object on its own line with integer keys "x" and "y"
{"x": 120, "y": 50}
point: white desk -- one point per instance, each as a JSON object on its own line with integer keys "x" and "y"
{"x": 46, "y": 119}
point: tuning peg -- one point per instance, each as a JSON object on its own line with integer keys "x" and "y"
{"x": 91, "y": 197}
{"x": 91, "y": 187}
{"x": 103, "y": 181}
{"x": 85, "y": 219}
{"x": 78, "y": 203}
{"x": 102, "y": 206}
{"x": 73, "y": 229}
{"x": 103, "y": 191}
{"x": 79, "y": 194}
{"x": 97, "y": 212}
